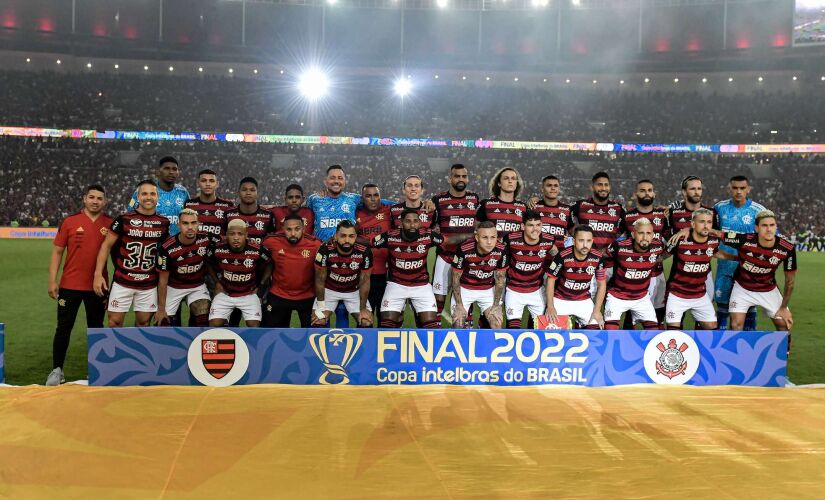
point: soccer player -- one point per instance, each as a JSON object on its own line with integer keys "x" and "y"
{"x": 342, "y": 274}
{"x": 478, "y": 276}
{"x": 689, "y": 271}
{"x": 568, "y": 282}
{"x": 182, "y": 272}
{"x": 455, "y": 217}
{"x": 680, "y": 214}
{"x": 372, "y": 220}
{"x": 634, "y": 260}
{"x": 259, "y": 220}
{"x": 530, "y": 253}
{"x": 556, "y": 217}
{"x": 210, "y": 207}
{"x": 407, "y": 280}
{"x": 413, "y": 189}
{"x": 503, "y": 208}
{"x": 735, "y": 214}
{"x": 294, "y": 199}
{"x": 171, "y": 196}
{"x": 133, "y": 243}
{"x": 79, "y": 237}
{"x": 292, "y": 288}
{"x": 238, "y": 267}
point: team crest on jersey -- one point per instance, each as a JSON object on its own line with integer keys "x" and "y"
{"x": 304, "y": 253}
{"x": 345, "y": 207}
{"x": 202, "y": 251}
{"x": 421, "y": 248}
{"x": 353, "y": 265}
{"x": 542, "y": 253}
{"x": 562, "y": 217}
{"x": 471, "y": 205}
{"x": 248, "y": 262}
{"x": 219, "y": 214}
{"x": 590, "y": 270}
{"x": 518, "y": 212}
{"x": 379, "y": 217}
{"x": 612, "y": 212}
{"x": 259, "y": 225}
{"x": 774, "y": 260}
{"x": 709, "y": 252}
{"x": 104, "y": 231}
{"x": 657, "y": 221}
{"x": 747, "y": 219}
{"x": 492, "y": 261}
{"x": 652, "y": 258}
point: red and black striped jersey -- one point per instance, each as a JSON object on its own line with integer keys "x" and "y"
{"x": 657, "y": 218}
{"x": 478, "y": 270}
{"x": 280, "y": 213}
{"x": 135, "y": 253}
{"x": 454, "y": 215}
{"x": 529, "y": 264}
{"x": 186, "y": 264}
{"x": 556, "y": 220}
{"x": 407, "y": 261}
{"x": 369, "y": 225}
{"x": 424, "y": 216}
{"x": 507, "y": 215}
{"x": 343, "y": 270}
{"x": 605, "y": 220}
{"x": 259, "y": 223}
{"x": 632, "y": 270}
{"x": 211, "y": 216}
{"x": 573, "y": 276}
{"x": 680, "y": 217}
{"x": 239, "y": 272}
{"x": 691, "y": 266}
{"x": 757, "y": 264}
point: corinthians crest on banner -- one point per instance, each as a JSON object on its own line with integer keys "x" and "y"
{"x": 335, "y": 371}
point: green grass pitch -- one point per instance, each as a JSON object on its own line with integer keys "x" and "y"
{"x": 30, "y": 316}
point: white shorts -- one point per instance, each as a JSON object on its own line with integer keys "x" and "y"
{"x": 121, "y": 299}
{"x": 741, "y": 300}
{"x": 351, "y": 301}
{"x": 223, "y": 305}
{"x": 581, "y": 309}
{"x": 174, "y": 296}
{"x": 641, "y": 309}
{"x": 701, "y": 309}
{"x": 484, "y": 299}
{"x": 441, "y": 277}
{"x": 594, "y": 284}
{"x": 656, "y": 291}
{"x": 515, "y": 302}
{"x": 396, "y": 296}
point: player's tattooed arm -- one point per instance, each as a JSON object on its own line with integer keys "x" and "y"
{"x": 498, "y": 291}
{"x": 457, "y": 239}
{"x": 784, "y": 312}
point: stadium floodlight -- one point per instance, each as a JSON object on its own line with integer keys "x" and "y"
{"x": 621, "y": 82}
{"x": 576, "y": 3}
{"x": 28, "y": 59}
{"x": 822, "y": 78}
{"x": 595, "y": 82}
{"x": 487, "y": 78}
{"x": 647, "y": 80}
{"x": 730, "y": 79}
{"x": 540, "y": 3}
{"x": 442, "y": 4}
{"x": 255, "y": 71}
{"x": 760, "y": 78}
{"x": 463, "y": 77}
{"x": 675, "y": 80}
{"x": 515, "y": 79}
{"x": 146, "y": 68}
{"x": 436, "y": 77}
{"x": 545, "y": 80}
{"x": 231, "y": 70}
{"x": 200, "y": 69}
{"x": 704, "y": 80}
{"x": 403, "y": 87}
{"x": 117, "y": 66}
{"x": 313, "y": 84}
{"x": 59, "y": 61}
{"x": 88, "y": 65}
{"x": 332, "y": 2}
{"x": 567, "y": 81}
{"x": 282, "y": 72}
{"x": 794, "y": 78}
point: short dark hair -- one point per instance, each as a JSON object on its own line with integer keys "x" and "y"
{"x": 207, "y": 171}
{"x": 688, "y": 179}
{"x": 370, "y": 185}
{"x": 294, "y": 186}
{"x": 486, "y": 224}
{"x": 739, "y": 178}
{"x": 94, "y": 187}
{"x": 643, "y": 181}
{"x": 408, "y": 210}
{"x": 335, "y": 167}
{"x": 167, "y": 159}
{"x": 530, "y": 215}
{"x": 146, "y": 181}
{"x": 457, "y": 166}
{"x": 600, "y": 175}
{"x": 250, "y": 180}
{"x": 549, "y": 178}
{"x": 346, "y": 223}
{"x": 582, "y": 228}
{"x": 293, "y": 216}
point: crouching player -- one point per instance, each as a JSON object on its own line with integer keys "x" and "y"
{"x": 478, "y": 276}
{"x": 569, "y": 278}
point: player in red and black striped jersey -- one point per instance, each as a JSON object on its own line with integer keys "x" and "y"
{"x": 569, "y": 278}
{"x": 210, "y": 208}
{"x": 556, "y": 217}
{"x": 455, "y": 218}
{"x": 478, "y": 276}
{"x": 259, "y": 220}
{"x": 680, "y": 213}
{"x": 133, "y": 242}
{"x": 239, "y": 268}
{"x": 503, "y": 208}
{"x": 413, "y": 189}
{"x": 373, "y": 220}
{"x": 294, "y": 199}
{"x": 342, "y": 274}
{"x": 530, "y": 253}
{"x": 407, "y": 279}
{"x": 603, "y": 215}
{"x": 182, "y": 272}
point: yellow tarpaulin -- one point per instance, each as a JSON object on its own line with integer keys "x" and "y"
{"x": 411, "y": 442}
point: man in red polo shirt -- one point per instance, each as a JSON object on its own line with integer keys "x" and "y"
{"x": 292, "y": 288}
{"x": 79, "y": 237}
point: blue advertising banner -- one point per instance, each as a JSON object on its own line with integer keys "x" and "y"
{"x": 222, "y": 357}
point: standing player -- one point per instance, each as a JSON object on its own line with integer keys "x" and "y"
{"x": 407, "y": 279}
{"x": 133, "y": 242}
{"x": 478, "y": 276}
{"x": 182, "y": 272}
{"x": 455, "y": 217}
{"x": 503, "y": 208}
{"x": 211, "y": 209}
{"x": 294, "y": 199}
{"x": 568, "y": 282}
{"x": 372, "y": 220}
{"x": 171, "y": 196}
{"x": 80, "y": 237}
{"x": 680, "y": 214}
{"x": 413, "y": 189}
{"x": 634, "y": 260}
{"x": 292, "y": 289}
{"x": 556, "y": 217}
{"x": 342, "y": 274}
{"x": 259, "y": 220}
{"x": 735, "y": 214}
{"x": 530, "y": 253}
{"x": 238, "y": 268}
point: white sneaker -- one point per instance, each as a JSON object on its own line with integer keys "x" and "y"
{"x": 56, "y": 377}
